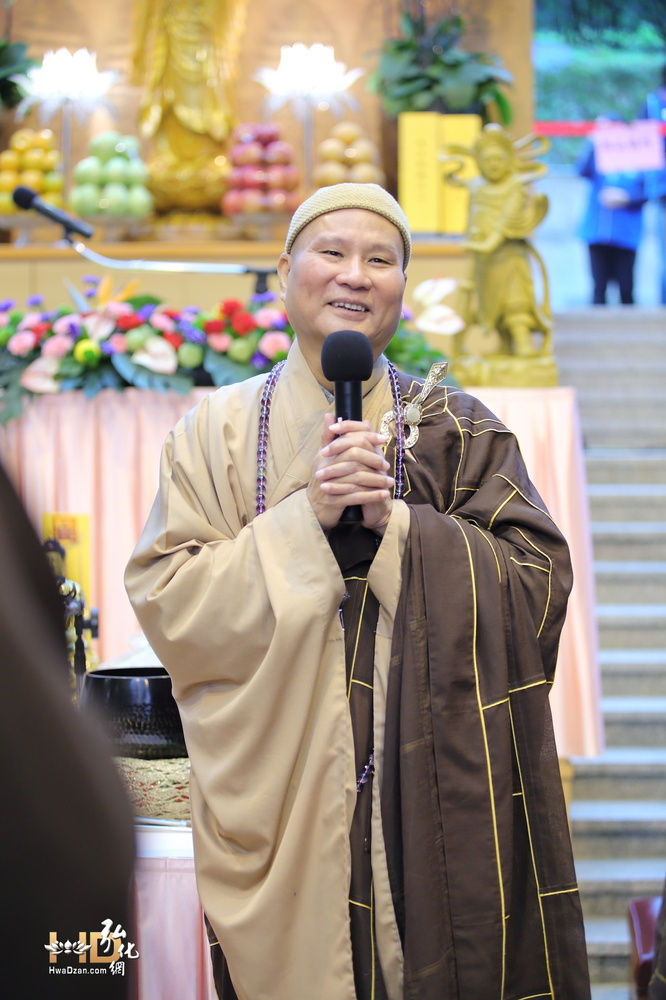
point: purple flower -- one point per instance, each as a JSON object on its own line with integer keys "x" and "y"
{"x": 145, "y": 312}
{"x": 6, "y": 305}
{"x": 263, "y": 297}
{"x": 35, "y": 300}
{"x": 107, "y": 347}
{"x": 259, "y": 361}
{"x": 91, "y": 279}
{"x": 191, "y": 332}
{"x": 407, "y": 314}
{"x": 90, "y": 293}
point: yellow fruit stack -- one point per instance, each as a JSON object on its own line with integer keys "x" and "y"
{"x": 33, "y": 161}
{"x": 347, "y": 155}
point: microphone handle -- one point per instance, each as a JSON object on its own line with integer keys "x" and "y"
{"x": 349, "y": 406}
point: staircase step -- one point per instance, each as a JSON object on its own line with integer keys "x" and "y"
{"x": 608, "y": 885}
{"x": 622, "y": 772}
{"x": 627, "y": 501}
{"x": 608, "y": 950}
{"x": 630, "y": 581}
{"x": 625, "y": 374}
{"x": 631, "y": 626}
{"x": 625, "y": 465}
{"x": 611, "y": 991}
{"x": 635, "y": 721}
{"x": 629, "y": 540}
{"x": 633, "y": 672}
{"x": 618, "y": 828}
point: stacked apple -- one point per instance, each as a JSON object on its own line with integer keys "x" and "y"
{"x": 347, "y": 155}
{"x": 33, "y": 161}
{"x": 263, "y": 177}
{"x": 111, "y": 180}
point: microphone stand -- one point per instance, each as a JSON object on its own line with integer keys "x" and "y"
{"x": 191, "y": 267}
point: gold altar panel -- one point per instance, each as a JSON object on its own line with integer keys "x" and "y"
{"x": 353, "y": 27}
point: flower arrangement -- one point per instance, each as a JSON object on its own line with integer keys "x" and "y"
{"x": 109, "y": 340}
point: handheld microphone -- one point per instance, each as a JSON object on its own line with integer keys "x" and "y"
{"x": 347, "y": 362}
{"x": 25, "y": 197}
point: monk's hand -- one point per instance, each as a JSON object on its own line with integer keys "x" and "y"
{"x": 350, "y": 470}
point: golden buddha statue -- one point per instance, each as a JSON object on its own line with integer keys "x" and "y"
{"x": 501, "y": 296}
{"x": 185, "y": 57}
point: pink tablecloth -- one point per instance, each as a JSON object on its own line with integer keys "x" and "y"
{"x": 100, "y": 457}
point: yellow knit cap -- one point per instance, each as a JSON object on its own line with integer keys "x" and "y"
{"x": 335, "y": 197}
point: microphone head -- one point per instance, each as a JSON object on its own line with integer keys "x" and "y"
{"x": 346, "y": 356}
{"x": 23, "y": 196}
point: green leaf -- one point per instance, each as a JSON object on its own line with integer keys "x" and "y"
{"x": 424, "y": 99}
{"x": 143, "y": 378}
{"x": 70, "y": 368}
{"x": 138, "y": 301}
{"x": 503, "y": 106}
{"x": 11, "y": 402}
{"x": 408, "y": 88}
{"x": 224, "y": 371}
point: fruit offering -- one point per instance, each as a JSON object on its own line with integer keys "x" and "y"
{"x": 263, "y": 176}
{"x": 112, "y": 179}
{"x": 33, "y": 161}
{"x": 347, "y": 155}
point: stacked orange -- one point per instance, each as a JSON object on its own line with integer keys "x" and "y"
{"x": 347, "y": 155}
{"x": 31, "y": 160}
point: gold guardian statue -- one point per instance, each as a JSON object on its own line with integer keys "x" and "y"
{"x": 501, "y": 297}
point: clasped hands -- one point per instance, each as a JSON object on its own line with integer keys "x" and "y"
{"x": 349, "y": 470}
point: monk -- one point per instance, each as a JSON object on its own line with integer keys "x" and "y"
{"x": 376, "y": 803}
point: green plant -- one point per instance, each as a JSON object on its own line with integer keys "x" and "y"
{"x": 424, "y": 69}
{"x": 13, "y": 62}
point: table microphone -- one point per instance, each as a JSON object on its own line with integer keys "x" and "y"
{"x": 26, "y": 198}
{"x": 347, "y": 362}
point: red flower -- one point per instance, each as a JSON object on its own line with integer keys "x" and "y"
{"x": 242, "y": 323}
{"x": 174, "y": 339}
{"x": 171, "y": 313}
{"x": 214, "y": 326}
{"x": 230, "y": 306}
{"x": 40, "y": 329}
{"x": 129, "y": 321}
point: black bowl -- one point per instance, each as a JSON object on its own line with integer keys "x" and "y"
{"x": 138, "y": 711}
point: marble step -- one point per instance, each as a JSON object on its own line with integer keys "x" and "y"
{"x": 631, "y": 626}
{"x": 619, "y": 829}
{"x": 627, "y": 501}
{"x": 629, "y": 541}
{"x": 622, "y": 772}
{"x": 610, "y": 991}
{"x": 609, "y": 950}
{"x": 619, "y": 430}
{"x": 632, "y": 582}
{"x": 622, "y": 373}
{"x": 635, "y": 722}
{"x": 631, "y": 672}
{"x": 625, "y": 465}
{"x": 612, "y": 323}
{"x": 608, "y": 885}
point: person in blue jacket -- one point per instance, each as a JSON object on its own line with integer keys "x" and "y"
{"x": 612, "y": 227}
{"x": 655, "y": 180}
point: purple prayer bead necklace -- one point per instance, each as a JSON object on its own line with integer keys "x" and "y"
{"x": 264, "y": 417}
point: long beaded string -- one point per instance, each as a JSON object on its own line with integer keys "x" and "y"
{"x": 262, "y": 441}
{"x": 399, "y": 423}
{"x": 264, "y": 417}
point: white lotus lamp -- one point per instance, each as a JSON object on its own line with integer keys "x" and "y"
{"x": 309, "y": 79}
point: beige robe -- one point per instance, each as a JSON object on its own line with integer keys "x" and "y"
{"x": 243, "y": 612}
